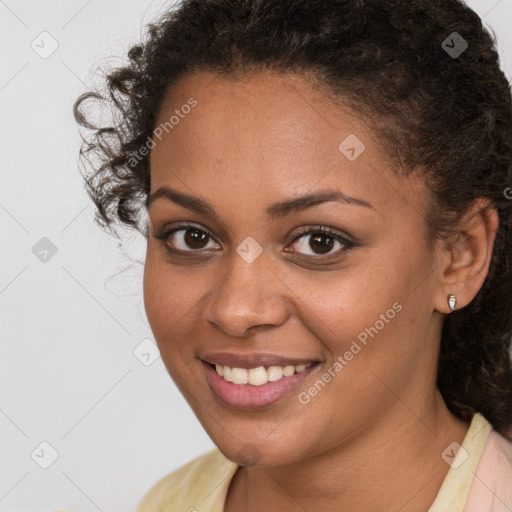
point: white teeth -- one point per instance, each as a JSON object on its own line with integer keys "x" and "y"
{"x": 260, "y": 375}
{"x": 240, "y": 376}
{"x": 288, "y": 371}
{"x": 275, "y": 373}
{"x": 227, "y": 374}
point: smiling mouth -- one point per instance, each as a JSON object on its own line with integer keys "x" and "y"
{"x": 259, "y": 375}
{"x": 256, "y": 388}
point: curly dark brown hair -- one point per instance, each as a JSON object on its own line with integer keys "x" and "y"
{"x": 447, "y": 115}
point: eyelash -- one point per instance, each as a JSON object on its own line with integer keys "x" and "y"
{"x": 348, "y": 244}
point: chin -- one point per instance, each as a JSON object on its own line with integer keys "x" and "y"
{"x": 264, "y": 453}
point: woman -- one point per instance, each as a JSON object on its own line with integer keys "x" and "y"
{"x": 327, "y": 191}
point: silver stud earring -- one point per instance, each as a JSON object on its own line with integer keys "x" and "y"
{"x": 452, "y": 301}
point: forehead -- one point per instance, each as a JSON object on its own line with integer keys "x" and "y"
{"x": 263, "y": 111}
{"x": 274, "y": 132}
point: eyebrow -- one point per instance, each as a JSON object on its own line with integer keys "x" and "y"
{"x": 274, "y": 211}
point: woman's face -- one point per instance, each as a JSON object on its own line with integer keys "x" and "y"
{"x": 258, "y": 291}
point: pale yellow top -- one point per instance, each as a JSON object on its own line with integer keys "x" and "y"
{"x": 202, "y": 484}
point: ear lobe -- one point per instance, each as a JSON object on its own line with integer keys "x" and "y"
{"x": 466, "y": 256}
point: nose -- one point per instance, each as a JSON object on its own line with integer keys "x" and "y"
{"x": 250, "y": 295}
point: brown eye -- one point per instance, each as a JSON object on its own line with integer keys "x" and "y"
{"x": 321, "y": 241}
{"x": 187, "y": 239}
{"x": 195, "y": 238}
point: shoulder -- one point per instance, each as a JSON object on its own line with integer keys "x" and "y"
{"x": 191, "y": 484}
{"x": 491, "y": 489}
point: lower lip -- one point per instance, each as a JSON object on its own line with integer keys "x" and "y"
{"x": 247, "y": 396}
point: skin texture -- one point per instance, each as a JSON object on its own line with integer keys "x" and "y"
{"x": 372, "y": 439}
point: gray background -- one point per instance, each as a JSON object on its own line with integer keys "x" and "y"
{"x": 79, "y": 369}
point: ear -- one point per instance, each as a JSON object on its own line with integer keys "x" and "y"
{"x": 464, "y": 259}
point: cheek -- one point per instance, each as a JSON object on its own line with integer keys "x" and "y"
{"x": 166, "y": 306}
{"x": 366, "y": 323}
{"x": 174, "y": 299}
{"x": 364, "y": 358}
{"x": 170, "y": 294}
{"x": 341, "y": 307}
{"x": 375, "y": 332}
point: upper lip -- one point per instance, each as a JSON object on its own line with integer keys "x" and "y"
{"x": 253, "y": 360}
